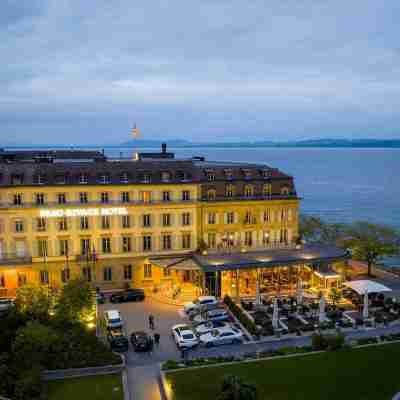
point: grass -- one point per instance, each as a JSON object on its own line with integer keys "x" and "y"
{"x": 101, "y": 387}
{"x": 358, "y": 374}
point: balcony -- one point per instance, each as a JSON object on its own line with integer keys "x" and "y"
{"x": 15, "y": 259}
{"x": 253, "y": 198}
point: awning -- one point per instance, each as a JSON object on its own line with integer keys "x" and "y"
{"x": 364, "y": 285}
{"x": 177, "y": 263}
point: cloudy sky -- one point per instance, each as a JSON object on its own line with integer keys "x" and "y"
{"x": 84, "y": 71}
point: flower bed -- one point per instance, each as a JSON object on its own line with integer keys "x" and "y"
{"x": 241, "y": 316}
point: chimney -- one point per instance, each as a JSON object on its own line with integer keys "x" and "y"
{"x": 164, "y": 147}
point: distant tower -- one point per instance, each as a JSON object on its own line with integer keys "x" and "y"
{"x": 135, "y": 132}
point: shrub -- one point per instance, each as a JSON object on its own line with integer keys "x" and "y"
{"x": 241, "y": 316}
{"x": 368, "y": 340}
{"x": 233, "y": 388}
{"x": 335, "y": 342}
{"x": 170, "y": 364}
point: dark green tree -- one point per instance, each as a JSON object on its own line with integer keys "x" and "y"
{"x": 368, "y": 242}
{"x": 33, "y": 302}
{"x": 233, "y": 388}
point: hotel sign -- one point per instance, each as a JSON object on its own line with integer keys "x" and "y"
{"x": 83, "y": 212}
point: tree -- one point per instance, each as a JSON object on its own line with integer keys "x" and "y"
{"x": 33, "y": 301}
{"x": 315, "y": 230}
{"x": 335, "y": 295}
{"x": 233, "y": 388}
{"x": 368, "y": 241}
{"x": 76, "y": 300}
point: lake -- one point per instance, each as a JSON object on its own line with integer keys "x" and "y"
{"x": 339, "y": 185}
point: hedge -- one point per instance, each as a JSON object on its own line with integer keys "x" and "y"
{"x": 241, "y": 316}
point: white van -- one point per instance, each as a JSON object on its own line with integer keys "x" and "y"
{"x": 203, "y": 301}
{"x": 113, "y": 319}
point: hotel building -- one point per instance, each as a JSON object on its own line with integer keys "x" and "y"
{"x": 154, "y": 221}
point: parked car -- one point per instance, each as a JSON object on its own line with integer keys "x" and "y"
{"x": 141, "y": 341}
{"x": 128, "y": 295}
{"x": 221, "y": 336}
{"x": 219, "y": 314}
{"x": 113, "y": 319}
{"x": 206, "y": 301}
{"x": 100, "y": 298}
{"x": 5, "y": 303}
{"x": 118, "y": 342}
{"x": 184, "y": 336}
{"x": 207, "y": 326}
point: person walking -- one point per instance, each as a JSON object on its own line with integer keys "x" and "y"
{"x": 157, "y": 339}
{"x": 151, "y": 321}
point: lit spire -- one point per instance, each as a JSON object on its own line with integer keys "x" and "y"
{"x": 135, "y": 132}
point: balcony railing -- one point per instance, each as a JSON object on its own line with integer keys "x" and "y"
{"x": 15, "y": 259}
{"x": 256, "y": 247}
{"x": 258, "y": 197}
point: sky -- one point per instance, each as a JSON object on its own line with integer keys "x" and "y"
{"x": 84, "y": 72}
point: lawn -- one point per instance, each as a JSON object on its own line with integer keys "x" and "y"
{"x": 102, "y": 387}
{"x": 369, "y": 373}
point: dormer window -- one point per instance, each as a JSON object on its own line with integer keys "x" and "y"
{"x": 104, "y": 179}
{"x": 165, "y": 176}
{"x": 210, "y": 176}
{"x": 284, "y": 191}
{"x": 229, "y": 174}
{"x": 267, "y": 190}
{"x": 61, "y": 179}
{"x": 266, "y": 173}
{"x": 83, "y": 179}
{"x": 124, "y": 178}
{"x": 211, "y": 194}
{"x": 146, "y": 178}
{"x": 39, "y": 179}
{"x": 17, "y": 179}
{"x": 230, "y": 191}
{"x": 247, "y": 174}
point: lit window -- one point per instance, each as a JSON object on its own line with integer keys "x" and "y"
{"x": 186, "y": 219}
{"x": 106, "y": 245}
{"x": 124, "y": 178}
{"x": 147, "y": 272}
{"x": 248, "y": 191}
{"x": 126, "y": 244}
{"x": 230, "y": 190}
{"x": 104, "y": 179}
{"x": 83, "y": 179}
{"x": 211, "y": 194}
{"x": 147, "y": 243}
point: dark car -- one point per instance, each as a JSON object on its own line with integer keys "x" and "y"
{"x": 141, "y": 341}
{"x": 118, "y": 342}
{"x": 128, "y": 295}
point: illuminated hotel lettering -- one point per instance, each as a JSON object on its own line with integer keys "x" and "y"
{"x": 83, "y": 212}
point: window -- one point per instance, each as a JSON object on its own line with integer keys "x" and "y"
{"x": 87, "y": 273}
{"x": 266, "y": 237}
{"x": 107, "y": 274}
{"x": 39, "y": 179}
{"x": 283, "y": 237}
{"x": 166, "y": 196}
{"x": 84, "y": 223}
{"x": 104, "y": 198}
{"x": 230, "y": 191}
{"x": 185, "y": 195}
{"x": 19, "y": 226}
{"x": 64, "y": 248}
{"x": 104, "y": 179}
{"x": 230, "y": 217}
{"x": 211, "y": 218}
{"x": 126, "y": 244}
{"x": 285, "y": 191}
{"x": 210, "y": 176}
{"x": 146, "y": 220}
{"x": 248, "y": 239}
{"x": 83, "y": 179}
{"x": 146, "y": 178}
{"x": 106, "y": 245}
{"x": 39, "y": 199}
{"x": 62, "y": 224}
{"x": 83, "y": 197}
{"x": 22, "y": 278}
{"x": 2, "y": 280}
{"x": 266, "y": 173}
{"x": 126, "y": 221}
{"x": 186, "y": 240}
{"x": 41, "y": 224}
{"x": 248, "y": 191}
{"x": 17, "y": 179}
{"x": 105, "y": 222}
{"x": 249, "y": 218}
{"x": 167, "y": 272}
{"x": 267, "y": 215}
{"x": 147, "y": 273}
{"x": 211, "y": 240}
{"x": 284, "y": 214}
{"x": 145, "y": 196}
{"x": 61, "y": 179}
{"x": 61, "y": 198}
{"x": 125, "y": 198}
{"x": 186, "y": 219}
{"x": 229, "y": 174}
{"x": 124, "y": 178}
{"x": 247, "y": 174}
{"x": 128, "y": 272}
{"x": 166, "y": 219}
{"x": 85, "y": 246}
{"x": 17, "y": 199}
{"x": 44, "y": 277}
{"x": 165, "y": 176}
{"x": 267, "y": 190}
{"x": 65, "y": 275}
{"x": 42, "y": 248}
{"x": 166, "y": 242}
{"x": 211, "y": 194}
{"x": 147, "y": 243}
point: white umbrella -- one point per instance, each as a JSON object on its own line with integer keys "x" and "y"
{"x": 258, "y": 294}
{"x": 300, "y": 292}
{"x": 275, "y": 315}
{"x": 365, "y": 308}
{"x": 321, "y": 316}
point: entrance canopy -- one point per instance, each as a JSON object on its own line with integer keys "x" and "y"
{"x": 363, "y": 286}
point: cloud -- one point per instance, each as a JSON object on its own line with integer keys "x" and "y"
{"x": 199, "y": 69}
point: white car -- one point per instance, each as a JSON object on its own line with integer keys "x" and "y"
{"x": 113, "y": 319}
{"x": 219, "y": 314}
{"x": 206, "y": 301}
{"x": 216, "y": 337}
{"x": 207, "y": 326}
{"x": 5, "y": 303}
{"x": 184, "y": 336}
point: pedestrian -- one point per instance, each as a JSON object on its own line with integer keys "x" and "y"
{"x": 151, "y": 321}
{"x": 157, "y": 339}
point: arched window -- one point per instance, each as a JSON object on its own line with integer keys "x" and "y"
{"x": 248, "y": 191}
{"x": 211, "y": 194}
{"x": 230, "y": 191}
{"x": 284, "y": 191}
{"x": 267, "y": 190}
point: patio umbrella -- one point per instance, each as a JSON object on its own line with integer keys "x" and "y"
{"x": 365, "y": 308}
{"x": 321, "y": 316}
{"x": 275, "y": 315}
{"x": 300, "y": 292}
{"x": 258, "y": 301}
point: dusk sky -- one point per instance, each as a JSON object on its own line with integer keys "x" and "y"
{"x": 82, "y": 72}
